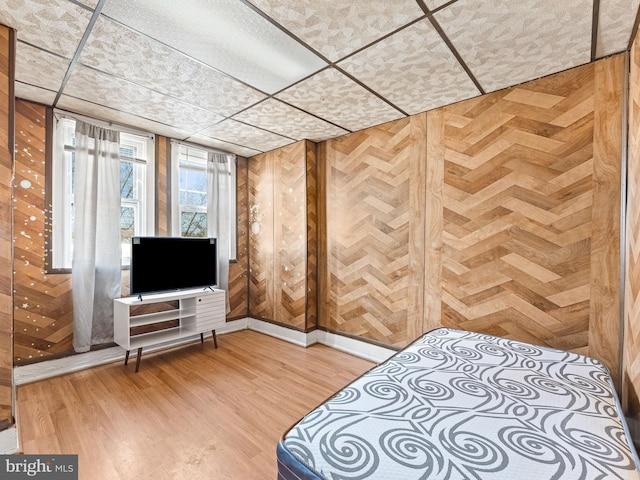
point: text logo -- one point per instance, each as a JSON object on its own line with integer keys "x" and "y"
{"x": 49, "y": 467}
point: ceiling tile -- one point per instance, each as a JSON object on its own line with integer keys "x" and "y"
{"x": 224, "y": 146}
{"x": 433, "y": 4}
{"x": 615, "y": 25}
{"x": 120, "y": 51}
{"x": 34, "y": 94}
{"x": 225, "y": 34}
{"x": 413, "y": 69}
{"x": 40, "y": 68}
{"x": 246, "y": 136}
{"x": 281, "y": 118}
{"x": 119, "y": 94}
{"x": 100, "y": 112}
{"x": 335, "y": 97}
{"x": 506, "y": 42}
{"x": 55, "y": 25}
{"x": 336, "y": 29}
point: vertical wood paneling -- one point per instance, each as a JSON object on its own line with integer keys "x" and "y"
{"x": 239, "y": 270}
{"x": 433, "y": 220}
{"x": 312, "y": 236}
{"x": 163, "y": 188}
{"x": 7, "y": 62}
{"x": 631, "y": 347}
{"x": 604, "y": 318}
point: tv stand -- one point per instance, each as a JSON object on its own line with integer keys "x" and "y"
{"x": 199, "y": 311}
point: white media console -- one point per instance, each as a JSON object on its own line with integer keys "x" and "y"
{"x": 199, "y": 311}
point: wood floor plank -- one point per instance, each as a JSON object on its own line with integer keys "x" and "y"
{"x": 191, "y": 412}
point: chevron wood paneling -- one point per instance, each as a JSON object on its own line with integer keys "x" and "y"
{"x": 43, "y": 314}
{"x": 290, "y": 234}
{"x": 261, "y": 237}
{"x": 631, "y": 351}
{"x": 7, "y": 61}
{"x": 519, "y": 216}
{"x": 374, "y": 213}
{"x": 312, "y": 235}
{"x": 239, "y": 270}
{"x": 278, "y": 237}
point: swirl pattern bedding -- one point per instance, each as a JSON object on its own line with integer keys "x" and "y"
{"x": 462, "y": 405}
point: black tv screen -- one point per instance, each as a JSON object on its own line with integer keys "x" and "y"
{"x": 160, "y": 264}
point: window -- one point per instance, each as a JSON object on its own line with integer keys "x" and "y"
{"x": 136, "y": 198}
{"x": 190, "y": 214}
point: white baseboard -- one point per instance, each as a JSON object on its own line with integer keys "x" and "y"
{"x": 9, "y": 441}
{"x": 355, "y": 347}
{"x": 74, "y": 363}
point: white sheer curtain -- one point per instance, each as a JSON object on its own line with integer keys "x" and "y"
{"x": 96, "y": 270}
{"x": 219, "y": 220}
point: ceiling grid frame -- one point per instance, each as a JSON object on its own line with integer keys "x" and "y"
{"x": 355, "y": 29}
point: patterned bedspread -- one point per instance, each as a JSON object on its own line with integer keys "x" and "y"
{"x": 461, "y": 405}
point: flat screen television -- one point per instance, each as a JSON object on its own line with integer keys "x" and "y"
{"x": 160, "y": 264}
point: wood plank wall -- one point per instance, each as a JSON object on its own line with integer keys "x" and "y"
{"x": 513, "y": 212}
{"x": 279, "y": 199}
{"x": 373, "y": 187}
{"x": 7, "y": 62}
{"x": 43, "y": 314}
{"x": 631, "y": 351}
{"x": 531, "y": 212}
{"x": 239, "y": 270}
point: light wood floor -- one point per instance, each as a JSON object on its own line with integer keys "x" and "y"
{"x": 192, "y": 412}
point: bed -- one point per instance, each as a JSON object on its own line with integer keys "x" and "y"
{"x": 463, "y": 405}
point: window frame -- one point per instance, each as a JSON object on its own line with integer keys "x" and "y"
{"x": 175, "y": 193}
{"x": 58, "y": 188}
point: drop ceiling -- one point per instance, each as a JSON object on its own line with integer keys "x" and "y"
{"x": 249, "y": 76}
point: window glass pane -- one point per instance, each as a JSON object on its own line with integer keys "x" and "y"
{"x": 193, "y": 224}
{"x": 127, "y": 223}
{"x": 196, "y": 199}
{"x": 126, "y": 180}
{"x": 197, "y": 180}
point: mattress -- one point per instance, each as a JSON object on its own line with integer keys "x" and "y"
{"x": 463, "y": 405}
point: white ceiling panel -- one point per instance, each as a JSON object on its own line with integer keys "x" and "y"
{"x": 615, "y": 24}
{"x": 507, "y": 42}
{"x": 335, "y": 97}
{"x": 120, "y": 51}
{"x": 56, "y": 25}
{"x": 40, "y": 68}
{"x": 224, "y": 146}
{"x": 413, "y": 68}
{"x": 433, "y": 4}
{"x": 336, "y": 29}
{"x": 100, "y": 112}
{"x": 225, "y": 34}
{"x": 248, "y": 76}
{"x": 34, "y": 94}
{"x": 281, "y": 118}
{"x": 118, "y": 94}
{"x": 246, "y": 135}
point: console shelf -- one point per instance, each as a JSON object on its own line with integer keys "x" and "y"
{"x": 199, "y": 311}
